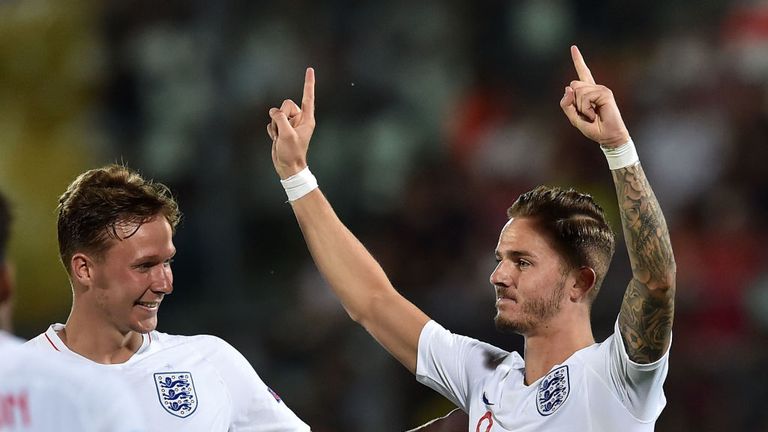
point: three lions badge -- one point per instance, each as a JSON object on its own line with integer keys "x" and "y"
{"x": 553, "y": 390}
{"x": 176, "y": 391}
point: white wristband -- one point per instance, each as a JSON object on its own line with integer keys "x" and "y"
{"x": 299, "y": 184}
{"x": 621, "y": 156}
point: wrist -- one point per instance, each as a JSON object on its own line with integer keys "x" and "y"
{"x": 615, "y": 141}
{"x": 621, "y": 156}
{"x": 286, "y": 171}
{"x": 299, "y": 184}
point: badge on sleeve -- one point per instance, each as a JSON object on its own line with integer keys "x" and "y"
{"x": 176, "y": 391}
{"x": 553, "y": 390}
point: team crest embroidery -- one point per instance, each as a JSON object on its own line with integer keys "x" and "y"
{"x": 553, "y": 391}
{"x": 176, "y": 391}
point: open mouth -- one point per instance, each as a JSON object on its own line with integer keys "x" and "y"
{"x": 148, "y": 305}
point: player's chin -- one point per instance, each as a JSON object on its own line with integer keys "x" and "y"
{"x": 505, "y": 324}
{"x": 145, "y": 325}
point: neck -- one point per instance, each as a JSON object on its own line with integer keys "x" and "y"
{"x": 98, "y": 342}
{"x": 552, "y": 345}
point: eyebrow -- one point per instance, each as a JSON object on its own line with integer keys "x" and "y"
{"x": 153, "y": 257}
{"x": 518, "y": 254}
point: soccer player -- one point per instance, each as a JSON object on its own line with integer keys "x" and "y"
{"x": 38, "y": 394}
{"x": 115, "y": 232}
{"x": 552, "y": 254}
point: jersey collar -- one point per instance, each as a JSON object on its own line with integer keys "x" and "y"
{"x": 52, "y": 336}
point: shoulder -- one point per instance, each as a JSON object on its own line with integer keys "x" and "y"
{"x": 43, "y": 340}
{"x": 7, "y": 339}
{"x": 436, "y": 336}
{"x": 31, "y": 362}
{"x": 47, "y": 382}
{"x": 14, "y": 355}
{"x": 612, "y": 352}
{"x": 596, "y": 358}
{"x": 198, "y": 341}
{"x": 37, "y": 341}
{"x": 212, "y": 348}
{"x": 441, "y": 348}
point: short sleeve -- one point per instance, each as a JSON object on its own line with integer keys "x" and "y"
{"x": 451, "y": 364}
{"x": 640, "y": 386}
{"x": 255, "y": 407}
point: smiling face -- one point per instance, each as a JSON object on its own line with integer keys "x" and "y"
{"x": 529, "y": 278}
{"x": 127, "y": 284}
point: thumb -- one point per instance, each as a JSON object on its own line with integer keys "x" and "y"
{"x": 279, "y": 117}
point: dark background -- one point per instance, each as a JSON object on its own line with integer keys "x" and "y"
{"x": 432, "y": 117}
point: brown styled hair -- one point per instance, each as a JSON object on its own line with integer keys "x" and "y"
{"x": 575, "y": 224}
{"x": 100, "y": 200}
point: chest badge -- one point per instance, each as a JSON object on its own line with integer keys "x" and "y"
{"x": 553, "y": 390}
{"x": 176, "y": 392}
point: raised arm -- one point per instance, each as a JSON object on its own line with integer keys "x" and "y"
{"x": 353, "y": 274}
{"x": 647, "y": 311}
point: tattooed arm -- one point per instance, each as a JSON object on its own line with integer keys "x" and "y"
{"x": 647, "y": 311}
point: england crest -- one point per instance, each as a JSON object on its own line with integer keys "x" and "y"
{"x": 553, "y": 390}
{"x": 176, "y": 391}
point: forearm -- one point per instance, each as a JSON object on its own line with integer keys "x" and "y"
{"x": 645, "y": 230}
{"x": 354, "y": 275}
{"x": 358, "y": 280}
{"x": 648, "y": 307}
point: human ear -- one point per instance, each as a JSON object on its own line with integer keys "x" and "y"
{"x": 583, "y": 282}
{"x": 81, "y": 267}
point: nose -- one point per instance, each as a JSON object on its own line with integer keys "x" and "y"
{"x": 500, "y": 275}
{"x": 162, "y": 279}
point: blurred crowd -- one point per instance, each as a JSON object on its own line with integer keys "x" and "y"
{"x": 432, "y": 117}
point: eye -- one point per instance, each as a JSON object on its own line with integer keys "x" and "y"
{"x": 168, "y": 262}
{"x": 523, "y": 264}
{"x": 144, "y": 267}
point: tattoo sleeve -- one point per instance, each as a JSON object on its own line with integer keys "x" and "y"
{"x": 647, "y": 311}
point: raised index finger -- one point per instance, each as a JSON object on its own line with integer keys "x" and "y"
{"x": 581, "y": 67}
{"x": 308, "y": 99}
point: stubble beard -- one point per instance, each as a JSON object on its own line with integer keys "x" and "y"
{"x": 534, "y": 312}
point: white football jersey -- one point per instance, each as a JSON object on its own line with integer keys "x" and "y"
{"x": 193, "y": 383}
{"x": 598, "y": 388}
{"x": 7, "y": 339}
{"x": 38, "y": 394}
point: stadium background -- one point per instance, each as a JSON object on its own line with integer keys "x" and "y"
{"x": 432, "y": 117}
